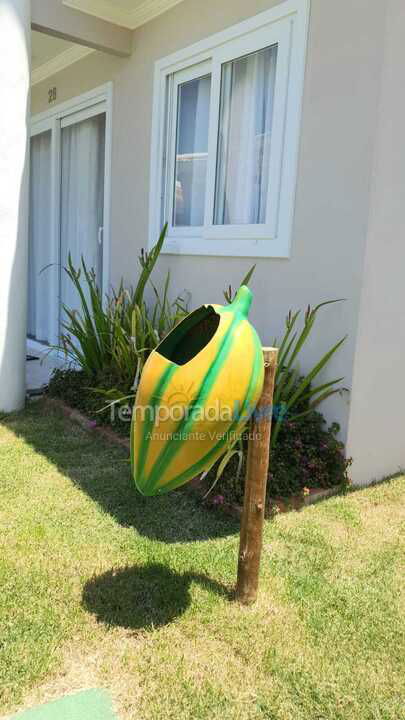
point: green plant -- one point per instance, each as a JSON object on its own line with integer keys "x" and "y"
{"x": 295, "y": 395}
{"x": 235, "y": 450}
{"x": 308, "y": 454}
{"x": 229, "y": 294}
{"x": 116, "y": 336}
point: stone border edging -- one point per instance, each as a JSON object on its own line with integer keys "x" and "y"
{"x": 87, "y": 424}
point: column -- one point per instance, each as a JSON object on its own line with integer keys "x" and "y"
{"x": 15, "y": 61}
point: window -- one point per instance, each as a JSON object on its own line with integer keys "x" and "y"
{"x": 244, "y": 136}
{"x": 190, "y": 173}
{"x": 225, "y": 138}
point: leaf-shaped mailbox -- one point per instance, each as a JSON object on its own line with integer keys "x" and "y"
{"x": 197, "y": 391}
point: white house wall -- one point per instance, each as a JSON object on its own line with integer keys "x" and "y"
{"x": 333, "y": 193}
{"x": 377, "y": 419}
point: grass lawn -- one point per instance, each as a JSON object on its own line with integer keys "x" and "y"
{"x": 101, "y": 588}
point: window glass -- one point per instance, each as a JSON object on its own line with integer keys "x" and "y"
{"x": 245, "y": 125}
{"x": 41, "y": 253}
{"x": 193, "y": 110}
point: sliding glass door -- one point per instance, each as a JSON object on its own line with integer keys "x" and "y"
{"x": 41, "y": 255}
{"x": 82, "y": 202}
{"x": 67, "y": 215}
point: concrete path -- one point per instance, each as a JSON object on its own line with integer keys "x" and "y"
{"x": 39, "y": 371}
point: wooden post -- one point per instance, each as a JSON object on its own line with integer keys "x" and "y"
{"x": 251, "y": 534}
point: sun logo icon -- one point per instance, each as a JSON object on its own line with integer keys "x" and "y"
{"x": 181, "y": 395}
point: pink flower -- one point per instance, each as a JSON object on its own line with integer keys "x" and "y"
{"x": 218, "y": 500}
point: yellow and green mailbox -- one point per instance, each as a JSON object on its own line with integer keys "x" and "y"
{"x": 197, "y": 391}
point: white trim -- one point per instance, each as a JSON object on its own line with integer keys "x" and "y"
{"x": 107, "y": 192}
{"x": 92, "y": 103}
{"x": 290, "y": 21}
{"x": 59, "y": 62}
{"x": 195, "y": 72}
{"x": 202, "y": 50}
{"x": 97, "y": 95}
{"x": 41, "y": 126}
{"x": 131, "y": 19}
{"x": 56, "y": 171}
{"x": 84, "y": 114}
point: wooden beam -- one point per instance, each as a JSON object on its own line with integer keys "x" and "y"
{"x": 53, "y": 18}
{"x": 251, "y": 534}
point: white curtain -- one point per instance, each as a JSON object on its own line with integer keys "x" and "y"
{"x": 82, "y": 202}
{"x": 247, "y": 95}
{"x": 192, "y": 151}
{"x": 41, "y": 262}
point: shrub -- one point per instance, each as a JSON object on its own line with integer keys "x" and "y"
{"x": 111, "y": 339}
{"x": 308, "y": 454}
{"x": 295, "y": 395}
{"x": 72, "y": 386}
{"x": 295, "y": 399}
{"x": 110, "y": 342}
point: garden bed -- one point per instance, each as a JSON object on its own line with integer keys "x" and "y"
{"x": 199, "y": 487}
{"x": 109, "y": 340}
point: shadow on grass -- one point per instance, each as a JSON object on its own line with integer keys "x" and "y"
{"x": 102, "y": 471}
{"x": 143, "y": 597}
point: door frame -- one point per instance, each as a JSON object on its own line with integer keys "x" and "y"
{"x": 96, "y": 101}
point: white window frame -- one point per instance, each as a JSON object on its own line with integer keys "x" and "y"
{"x": 96, "y": 101}
{"x": 287, "y": 26}
{"x": 183, "y": 76}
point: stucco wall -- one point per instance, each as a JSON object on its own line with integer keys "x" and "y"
{"x": 332, "y": 204}
{"x": 377, "y": 421}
